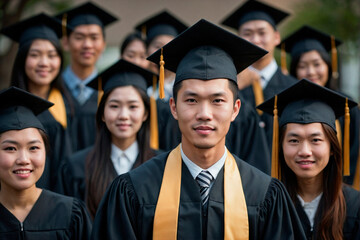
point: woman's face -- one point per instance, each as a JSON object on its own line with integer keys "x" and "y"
{"x": 135, "y": 53}
{"x": 306, "y": 149}
{"x": 157, "y": 43}
{"x": 22, "y": 158}
{"x": 42, "y": 63}
{"x": 313, "y": 67}
{"x": 124, "y": 114}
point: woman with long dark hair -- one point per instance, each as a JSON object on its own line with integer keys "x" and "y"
{"x": 123, "y": 134}
{"x": 27, "y": 211}
{"x": 310, "y": 162}
{"x": 133, "y": 49}
{"x": 37, "y": 69}
{"x": 310, "y": 59}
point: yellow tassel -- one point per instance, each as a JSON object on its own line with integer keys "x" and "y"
{"x": 100, "y": 91}
{"x": 161, "y": 76}
{"x": 275, "y": 169}
{"x": 334, "y": 63}
{"x": 283, "y": 60}
{"x": 258, "y": 94}
{"x": 154, "y": 130}
{"x": 347, "y": 140}
{"x": 356, "y": 182}
{"x": 143, "y": 31}
{"x": 64, "y": 23}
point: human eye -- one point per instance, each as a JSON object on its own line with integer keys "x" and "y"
{"x": 293, "y": 140}
{"x": 218, "y": 100}
{"x": 316, "y": 140}
{"x": 133, "y": 106}
{"x": 34, "y": 148}
{"x": 9, "y": 148}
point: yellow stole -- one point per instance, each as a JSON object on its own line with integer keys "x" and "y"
{"x": 236, "y": 224}
{"x": 258, "y": 94}
{"x": 58, "y": 110}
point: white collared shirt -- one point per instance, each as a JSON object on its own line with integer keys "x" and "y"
{"x": 310, "y": 208}
{"x": 123, "y": 161}
{"x": 266, "y": 73}
{"x": 195, "y": 169}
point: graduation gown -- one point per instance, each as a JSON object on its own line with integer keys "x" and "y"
{"x": 53, "y": 216}
{"x": 277, "y": 83}
{"x": 246, "y": 139}
{"x": 133, "y": 197}
{"x": 351, "y": 228}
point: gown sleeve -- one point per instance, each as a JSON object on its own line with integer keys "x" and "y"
{"x": 81, "y": 224}
{"x": 277, "y": 216}
{"x": 116, "y": 215}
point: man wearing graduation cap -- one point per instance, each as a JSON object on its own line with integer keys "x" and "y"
{"x": 200, "y": 190}
{"x": 256, "y": 22}
{"x": 85, "y": 42}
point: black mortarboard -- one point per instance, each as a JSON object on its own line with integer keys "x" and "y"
{"x": 40, "y": 26}
{"x": 87, "y": 13}
{"x": 163, "y": 23}
{"x": 306, "y": 102}
{"x": 205, "y": 51}
{"x": 18, "y": 109}
{"x": 254, "y": 10}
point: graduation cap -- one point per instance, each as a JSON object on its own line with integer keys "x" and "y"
{"x": 254, "y": 10}
{"x": 205, "y": 51}
{"x": 124, "y": 73}
{"x": 163, "y": 23}
{"x": 307, "y": 39}
{"x": 40, "y": 26}
{"x": 85, "y": 14}
{"x": 306, "y": 102}
{"x": 18, "y": 109}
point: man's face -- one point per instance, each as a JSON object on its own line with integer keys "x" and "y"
{"x": 204, "y": 110}
{"x": 262, "y": 34}
{"x": 86, "y": 43}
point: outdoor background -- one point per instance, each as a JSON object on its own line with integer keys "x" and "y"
{"x": 338, "y": 17}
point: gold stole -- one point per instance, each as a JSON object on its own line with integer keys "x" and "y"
{"x": 338, "y": 130}
{"x": 58, "y": 110}
{"x": 258, "y": 94}
{"x": 236, "y": 224}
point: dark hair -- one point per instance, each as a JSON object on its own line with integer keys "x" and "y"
{"x": 333, "y": 208}
{"x": 232, "y": 86}
{"x": 99, "y": 171}
{"x": 129, "y": 39}
{"x": 20, "y": 79}
{"x": 330, "y": 83}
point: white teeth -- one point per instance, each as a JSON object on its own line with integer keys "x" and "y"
{"x": 22, "y": 171}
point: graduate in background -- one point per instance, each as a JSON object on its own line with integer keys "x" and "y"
{"x": 310, "y": 160}
{"x": 37, "y": 69}
{"x": 85, "y": 43}
{"x": 256, "y": 22}
{"x": 133, "y": 49}
{"x": 200, "y": 190}
{"x": 309, "y": 49}
{"x": 26, "y": 211}
{"x": 123, "y": 135}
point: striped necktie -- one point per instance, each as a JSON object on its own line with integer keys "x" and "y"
{"x": 204, "y": 180}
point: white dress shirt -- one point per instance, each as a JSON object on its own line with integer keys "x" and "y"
{"x": 123, "y": 161}
{"x": 266, "y": 73}
{"x": 310, "y": 208}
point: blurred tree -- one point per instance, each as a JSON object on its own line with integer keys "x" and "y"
{"x": 12, "y": 11}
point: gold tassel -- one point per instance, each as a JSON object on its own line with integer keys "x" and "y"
{"x": 334, "y": 63}
{"x": 143, "y": 31}
{"x": 347, "y": 140}
{"x": 64, "y": 23}
{"x": 258, "y": 94}
{"x": 283, "y": 60}
{"x": 275, "y": 144}
{"x": 161, "y": 76}
{"x": 100, "y": 91}
{"x": 154, "y": 130}
{"x": 356, "y": 182}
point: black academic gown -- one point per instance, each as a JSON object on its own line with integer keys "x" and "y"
{"x": 351, "y": 228}
{"x": 245, "y": 138}
{"x": 83, "y": 124}
{"x": 277, "y": 83}
{"x": 53, "y": 216}
{"x": 133, "y": 197}
{"x": 60, "y": 147}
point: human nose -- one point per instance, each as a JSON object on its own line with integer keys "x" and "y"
{"x": 305, "y": 149}
{"x": 204, "y": 112}
{"x": 23, "y": 157}
{"x": 123, "y": 113}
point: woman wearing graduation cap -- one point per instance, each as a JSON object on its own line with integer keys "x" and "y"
{"x": 123, "y": 134}
{"x": 309, "y": 161}
{"x": 309, "y": 49}
{"x": 37, "y": 69}
{"x": 133, "y": 49}
{"x": 27, "y": 211}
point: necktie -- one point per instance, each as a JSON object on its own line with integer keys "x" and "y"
{"x": 81, "y": 97}
{"x": 204, "y": 180}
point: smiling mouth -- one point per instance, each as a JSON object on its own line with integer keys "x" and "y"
{"x": 22, "y": 171}
{"x": 306, "y": 162}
